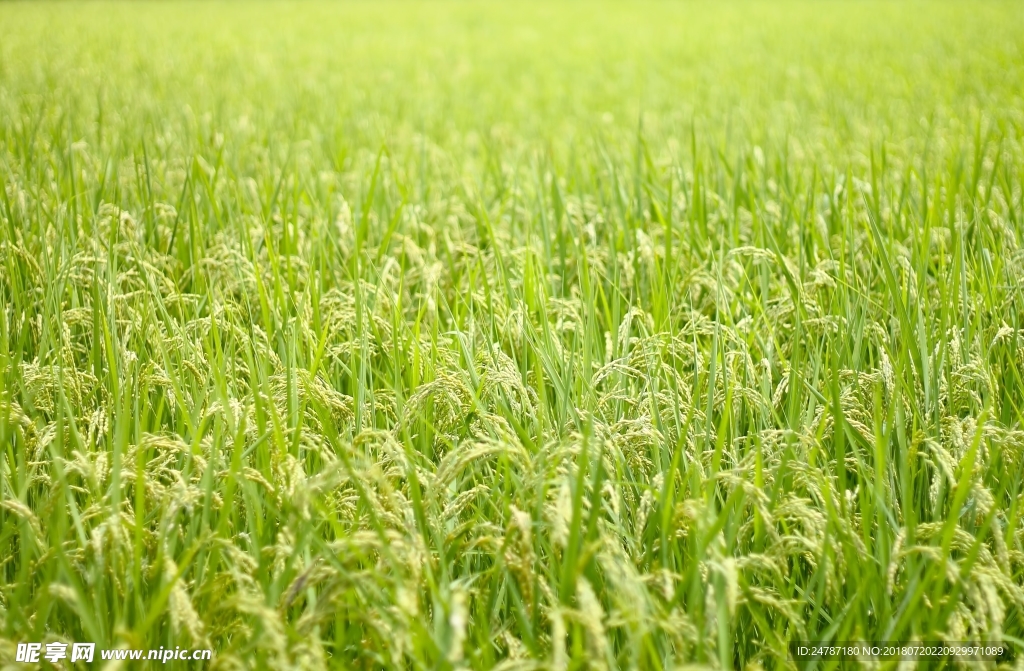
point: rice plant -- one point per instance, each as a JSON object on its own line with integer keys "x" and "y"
{"x": 456, "y": 335}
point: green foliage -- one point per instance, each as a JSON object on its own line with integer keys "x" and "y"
{"x": 469, "y": 335}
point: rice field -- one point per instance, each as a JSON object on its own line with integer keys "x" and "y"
{"x": 542, "y": 335}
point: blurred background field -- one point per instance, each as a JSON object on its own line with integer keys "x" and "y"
{"x": 537, "y": 335}
{"x": 831, "y": 78}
